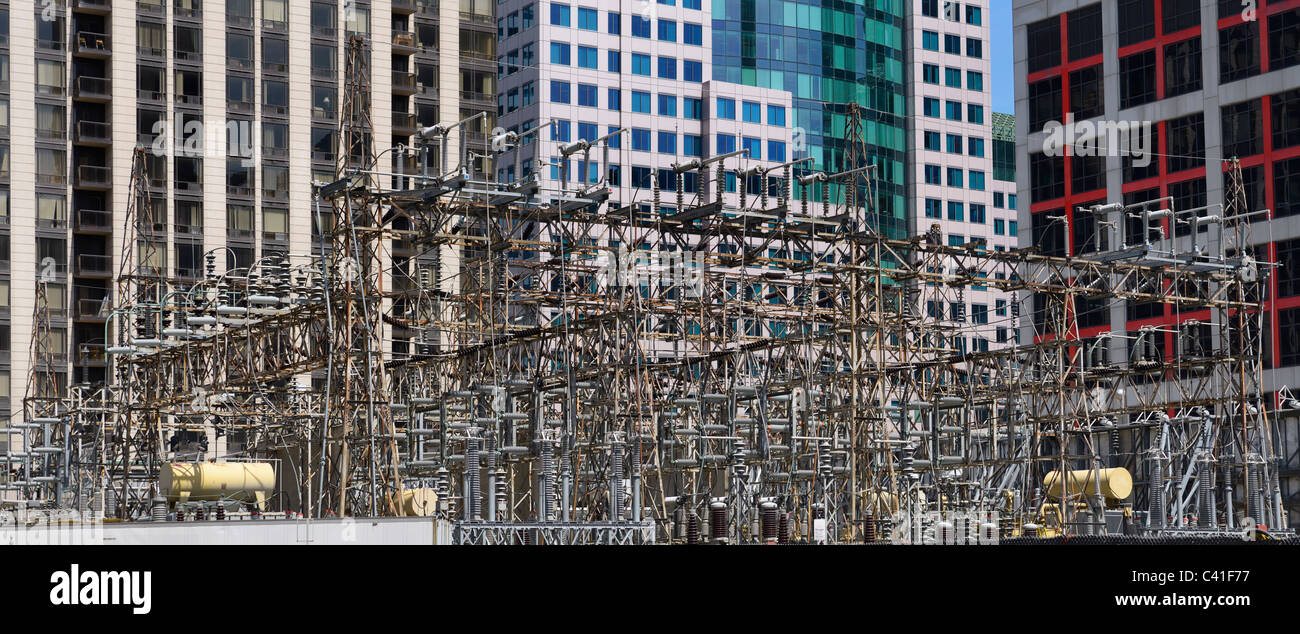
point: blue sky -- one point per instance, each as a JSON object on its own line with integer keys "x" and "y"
{"x": 1004, "y": 88}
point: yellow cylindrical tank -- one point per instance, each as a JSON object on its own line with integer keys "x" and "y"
{"x": 1116, "y": 483}
{"x": 418, "y": 502}
{"x": 241, "y": 481}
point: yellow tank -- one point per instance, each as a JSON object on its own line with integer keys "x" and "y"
{"x": 418, "y": 502}
{"x": 241, "y": 481}
{"x": 1116, "y": 483}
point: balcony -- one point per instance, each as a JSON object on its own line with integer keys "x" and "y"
{"x": 404, "y": 43}
{"x": 94, "y": 132}
{"x": 98, "y": 89}
{"x": 187, "y": 13}
{"x": 481, "y": 18}
{"x": 55, "y": 272}
{"x": 189, "y": 273}
{"x": 91, "y": 44}
{"x": 189, "y": 100}
{"x": 404, "y": 7}
{"x": 403, "y": 83}
{"x": 94, "y": 221}
{"x": 154, "y": 7}
{"x": 235, "y": 233}
{"x": 241, "y": 21}
{"x": 188, "y": 230}
{"x": 99, "y": 7}
{"x": 58, "y": 224}
{"x": 239, "y": 105}
{"x": 52, "y": 178}
{"x": 151, "y": 96}
{"x": 323, "y": 73}
{"x": 272, "y": 110}
{"x": 95, "y": 265}
{"x": 480, "y": 97}
{"x": 191, "y": 186}
{"x": 94, "y": 176}
{"x": 94, "y": 309}
{"x": 281, "y": 153}
{"x": 404, "y": 124}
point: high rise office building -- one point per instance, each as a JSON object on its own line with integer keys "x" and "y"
{"x": 827, "y": 55}
{"x": 584, "y": 71}
{"x": 236, "y": 103}
{"x": 1200, "y": 82}
{"x": 951, "y": 184}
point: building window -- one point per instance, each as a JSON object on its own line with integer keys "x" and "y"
{"x": 726, "y": 108}
{"x": 640, "y": 27}
{"x": 559, "y": 14}
{"x": 1149, "y": 166}
{"x": 933, "y": 208}
{"x": 932, "y": 140}
{"x": 1087, "y": 99}
{"x": 974, "y": 48}
{"x": 1044, "y": 102}
{"x": 615, "y": 23}
{"x": 930, "y": 40}
{"x": 1238, "y": 52}
{"x": 1186, "y": 142}
{"x": 1136, "y": 20}
{"x": 956, "y": 211}
{"x": 1181, "y": 14}
{"x": 1137, "y": 79}
{"x": 1286, "y": 188}
{"x": 1044, "y": 44}
{"x": 1183, "y": 67}
{"x": 1087, "y": 173}
{"x": 751, "y": 112}
{"x": 1046, "y": 177}
{"x": 640, "y": 64}
{"x": 1243, "y": 129}
{"x": 587, "y": 57}
{"x": 1286, "y": 119}
{"x": 692, "y": 70}
{"x": 1084, "y": 29}
{"x": 587, "y": 96}
{"x": 667, "y": 105}
{"x": 952, "y": 44}
{"x": 560, "y": 92}
{"x": 587, "y": 19}
{"x": 955, "y": 177}
{"x": 667, "y": 67}
{"x": 640, "y": 139}
{"x": 1284, "y": 40}
{"x": 667, "y": 31}
{"x": 952, "y": 77}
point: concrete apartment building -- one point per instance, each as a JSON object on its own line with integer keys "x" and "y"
{"x": 952, "y": 189}
{"x": 1214, "y": 81}
{"x": 86, "y": 81}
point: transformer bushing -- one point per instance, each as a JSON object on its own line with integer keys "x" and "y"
{"x": 1156, "y": 496}
{"x": 1205, "y": 491}
{"x": 616, "y": 481}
